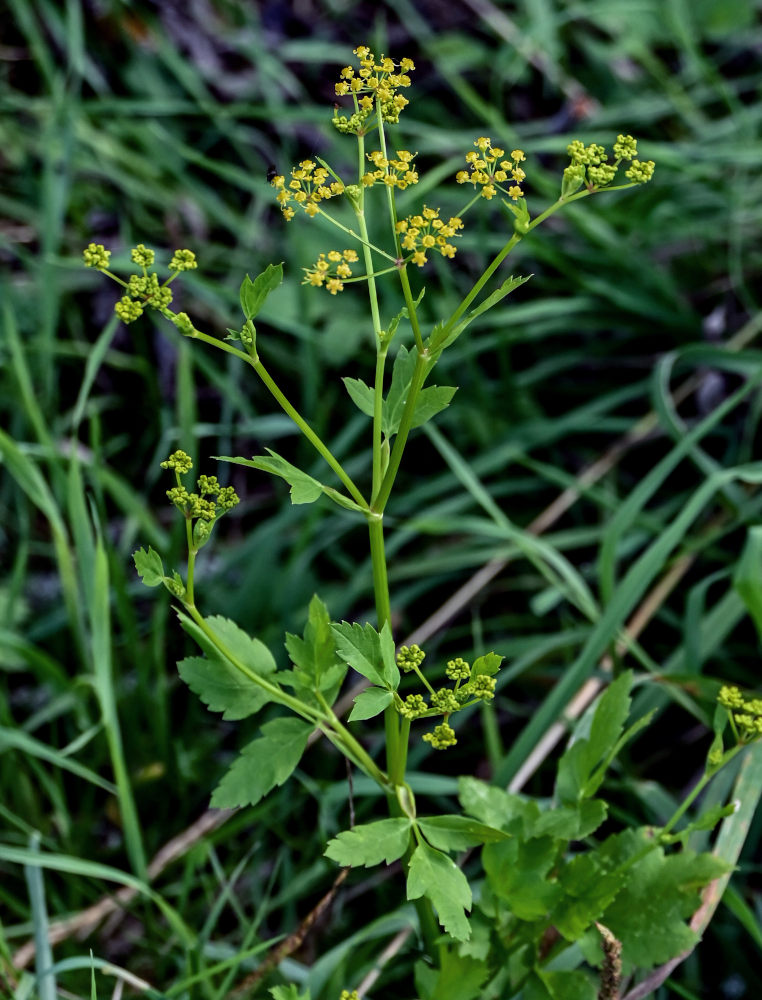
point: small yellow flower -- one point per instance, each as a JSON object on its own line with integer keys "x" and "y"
{"x": 489, "y": 171}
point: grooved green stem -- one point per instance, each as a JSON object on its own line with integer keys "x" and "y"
{"x": 416, "y": 384}
{"x": 315, "y": 440}
{"x": 308, "y": 432}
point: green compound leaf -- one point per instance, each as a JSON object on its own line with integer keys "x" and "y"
{"x": 304, "y": 489}
{"x": 457, "y": 833}
{"x": 648, "y": 915}
{"x": 318, "y": 673}
{"x": 318, "y": 668}
{"x": 360, "y": 394}
{"x": 434, "y": 875}
{"x": 440, "y": 338}
{"x": 370, "y": 703}
{"x": 489, "y": 664}
{"x": 746, "y": 578}
{"x": 289, "y": 992}
{"x": 317, "y": 650}
{"x": 343, "y": 501}
{"x": 149, "y": 566}
{"x": 571, "y": 822}
{"x": 266, "y": 762}
{"x": 517, "y": 872}
{"x": 508, "y": 286}
{"x": 460, "y": 977}
{"x": 559, "y": 985}
{"x": 589, "y": 884}
{"x": 594, "y": 739}
{"x": 218, "y": 682}
{"x": 497, "y": 808}
{"x": 253, "y": 293}
{"x": 431, "y": 400}
{"x": 386, "y": 840}
{"x": 368, "y": 652}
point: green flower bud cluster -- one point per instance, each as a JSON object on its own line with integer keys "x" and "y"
{"x": 481, "y": 687}
{"x": 97, "y": 256}
{"x": 458, "y": 669}
{"x": 346, "y": 995}
{"x": 180, "y": 461}
{"x": 144, "y": 289}
{"x": 198, "y": 506}
{"x": 639, "y": 172}
{"x": 590, "y": 164}
{"x": 142, "y": 255}
{"x": 183, "y": 323}
{"x": 625, "y": 147}
{"x": 128, "y": 310}
{"x": 183, "y": 260}
{"x": 410, "y": 657}
{"x": 445, "y": 701}
{"x": 442, "y": 737}
{"x": 745, "y": 714}
{"x": 413, "y": 707}
{"x": 592, "y": 155}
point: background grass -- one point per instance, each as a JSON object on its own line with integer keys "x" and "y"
{"x": 135, "y": 122}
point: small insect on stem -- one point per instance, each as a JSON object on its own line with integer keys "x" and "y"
{"x": 272, "y": 173}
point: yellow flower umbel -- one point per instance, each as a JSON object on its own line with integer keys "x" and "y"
{"x": 307, "y": 188}
{"x": 399, "y": 173}
{"x": 330, "y": 270}
{"x": 489, "y": 171}
{"x": 428, "y": 232}
{"x": 375, "y": 83}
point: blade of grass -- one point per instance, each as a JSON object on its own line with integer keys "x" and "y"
{"x": 45, "y": 978}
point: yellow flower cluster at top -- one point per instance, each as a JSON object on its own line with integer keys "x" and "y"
{"x": 307, "y": 188}
{"x": 329, "y": 270}
{"x": 399, "y": 173}
{"x": 428, "y": 232}
{"x": 376, "y": 81}
{"x": 487, "y": 169}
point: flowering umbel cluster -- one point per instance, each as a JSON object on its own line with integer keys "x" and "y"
{"x": 745, "y": 713}
{"x": 329, "y": 270}
{"x": 427, "y": 231}
{"x": 205, "y": 506}
{"x": 375, "y": 83}
{"x": 590, "y": 165}
{"x": 144, "y": 289}
{"x": 399, "y": 173}
{"x": 470, "y": 686}
{"x": 488, "y": 171}
{"x": 307, "y": 188}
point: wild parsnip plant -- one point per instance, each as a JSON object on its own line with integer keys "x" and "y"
{"x": 550, "y": 911}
